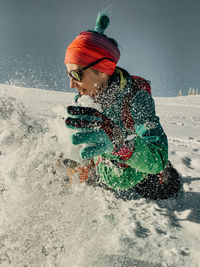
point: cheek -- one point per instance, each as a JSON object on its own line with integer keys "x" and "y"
{"x": 89, "y": 85}
{"x": 90, "y": 82}
{"x": 94, "y": 83}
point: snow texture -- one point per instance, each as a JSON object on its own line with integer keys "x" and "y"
{"x": 44, "y": 222}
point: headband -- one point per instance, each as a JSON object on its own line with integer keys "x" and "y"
{"x": 90, "y": 46}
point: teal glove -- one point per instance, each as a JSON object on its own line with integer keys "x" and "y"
{"x": 96, "y": 131}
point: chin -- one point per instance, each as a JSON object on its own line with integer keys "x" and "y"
{"x": 82, "y": 93}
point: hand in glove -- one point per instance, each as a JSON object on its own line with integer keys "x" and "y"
{"x": 95, "y": 130}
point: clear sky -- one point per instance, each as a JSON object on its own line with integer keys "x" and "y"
{"x": 159, "y": 40}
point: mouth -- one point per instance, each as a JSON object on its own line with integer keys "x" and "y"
{"x": 82, "y": 92}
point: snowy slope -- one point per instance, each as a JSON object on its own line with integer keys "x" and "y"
{"x": 45, "y": 223}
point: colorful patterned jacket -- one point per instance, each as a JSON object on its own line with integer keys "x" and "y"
{"x": 147, "y": 146}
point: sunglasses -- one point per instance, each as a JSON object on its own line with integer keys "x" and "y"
{"x": 77, "y": 74}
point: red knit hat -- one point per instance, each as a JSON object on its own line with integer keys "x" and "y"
{"x": 90, "y": 46}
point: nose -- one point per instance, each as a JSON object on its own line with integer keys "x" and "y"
{"x": 73, "y": 83}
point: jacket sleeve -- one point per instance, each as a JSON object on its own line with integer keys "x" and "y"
{"x": 150, "y": 144}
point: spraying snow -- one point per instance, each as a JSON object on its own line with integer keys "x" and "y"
{"x": 44, "y": 222}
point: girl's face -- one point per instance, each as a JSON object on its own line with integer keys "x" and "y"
{"x": 92, "y": 81}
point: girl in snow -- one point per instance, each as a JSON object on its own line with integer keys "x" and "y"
{"x": 125, "y": 142}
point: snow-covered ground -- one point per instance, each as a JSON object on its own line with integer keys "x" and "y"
{"x": 43, "y": 222}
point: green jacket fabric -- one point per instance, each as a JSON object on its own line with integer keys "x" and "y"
{"x": 148, "y": 139}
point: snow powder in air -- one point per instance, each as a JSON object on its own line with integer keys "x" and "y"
{"x": 44, "y": 222}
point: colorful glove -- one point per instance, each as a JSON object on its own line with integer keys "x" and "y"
{"x": 96, "y": 131}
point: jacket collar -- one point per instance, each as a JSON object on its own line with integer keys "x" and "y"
{"x": 117, "y": 83}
